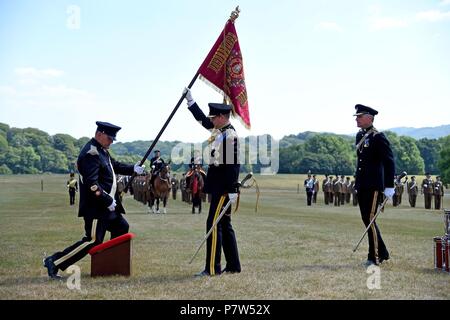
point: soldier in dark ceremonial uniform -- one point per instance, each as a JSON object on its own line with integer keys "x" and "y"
{"x": 375, "y": 171}
{"x": 100, "y": 205}
{"x": 343, "y": 190}
{"x": 222, "y": 183}
{"x": 156, "y": 163}
{"x": 354, "y": 193}
{"x": 324, "y": 189}
{"x": 72, "y": 185}
{"x": 196, "y": 160}
{"x": 401, "y": 190}
{"x": 184, "y": 197}
{"x": 316, "y": 188}
{"x": 348, "y": 190}
{"x": 309, "y": 188}
{"x": 438, "y": 193}
{"x": 174, "y": 182}
{"x": 395, "y": 197}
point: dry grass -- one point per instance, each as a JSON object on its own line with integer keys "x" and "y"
{"x": 287, "y": 250}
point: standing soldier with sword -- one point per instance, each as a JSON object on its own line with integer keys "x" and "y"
{"x": 374, "y": 178}
{"x": 222, "y": 183}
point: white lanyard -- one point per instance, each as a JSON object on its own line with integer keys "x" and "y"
{"x": 114, "y": 185}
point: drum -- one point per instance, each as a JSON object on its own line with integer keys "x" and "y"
{"x": 447, "y": 222}
{"x": 446, "y": 255}
{"x": 438, "y": 253}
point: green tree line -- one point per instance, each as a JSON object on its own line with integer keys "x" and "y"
{"x": 326, "y": 153}
{"x": 31, "y": 150}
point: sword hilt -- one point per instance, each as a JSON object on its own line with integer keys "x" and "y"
{"x": 246, "y": 178}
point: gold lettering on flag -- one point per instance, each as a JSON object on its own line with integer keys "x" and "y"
{"x": 222, "y": 53}
{"x": 242, "y": 97}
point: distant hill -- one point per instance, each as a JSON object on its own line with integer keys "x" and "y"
{"x": 294, "y": 139}
{"x": 425, "y": 132}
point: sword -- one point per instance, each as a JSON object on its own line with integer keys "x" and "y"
{"x": 380, "y": 208}
{"x": 247, "y": 177}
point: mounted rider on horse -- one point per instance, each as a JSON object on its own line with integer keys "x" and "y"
{"x": 156, "y": 163}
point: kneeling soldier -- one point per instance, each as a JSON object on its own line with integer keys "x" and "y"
{"x": 100, "y": 205}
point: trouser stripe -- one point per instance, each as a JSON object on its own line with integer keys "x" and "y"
{"x": 81, "y": 246}
{"x": 214, "y": 237}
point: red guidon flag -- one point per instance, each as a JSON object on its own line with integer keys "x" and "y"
{"x": 224, "y": 70}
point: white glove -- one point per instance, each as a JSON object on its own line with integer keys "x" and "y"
{"x": 233, "y": 197}
{"x": 112, "y": 206}
{"x": 389, "y": 192}
{"x": 189, "y": 99}
{"x": 139, "y": 169}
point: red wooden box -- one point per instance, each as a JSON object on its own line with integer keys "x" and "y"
{"x": 112, "y": 257}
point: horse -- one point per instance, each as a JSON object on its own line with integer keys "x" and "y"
{"x": 160, "y": 189}
{"x": 196, "y": 184}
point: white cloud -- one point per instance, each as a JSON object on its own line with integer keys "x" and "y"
{"x": 37, "y": 87}
{"x": 375, "y": 9}
{"x": 47, "y": 96}
{"x": 7, "y": 91}
{"x": 444, "y": 3}
{"x": 432, "y": 15}
{"x": 380, "y": 23}
{"x": 31, "y": 76}
{"x": 30, "y": 72}
{"x": 329, "y": 26}
{"x": 62, "y": 91}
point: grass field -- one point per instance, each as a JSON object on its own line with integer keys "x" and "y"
{"x": 287, "y": 250}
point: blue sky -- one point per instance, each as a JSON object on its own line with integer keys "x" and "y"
{"x": 306, "y": 63}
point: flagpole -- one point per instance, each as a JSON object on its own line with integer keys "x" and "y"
{"x": 233, "y": 16}
{"x": 161, "y": 131}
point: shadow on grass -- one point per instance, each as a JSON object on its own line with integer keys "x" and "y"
{"x": 165, "y": 279}
{"x": 117, "y": 280}
{"x": 315, "y": 267}
{"x": 21, "y": 281}
{"x": 432, "y": 271}
{"x": 327, "y": 267}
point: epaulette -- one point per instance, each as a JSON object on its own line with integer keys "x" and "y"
{"x": 93, "y": 151}
{"x": 230, "y": 132}
{"x": 228, "y": 126}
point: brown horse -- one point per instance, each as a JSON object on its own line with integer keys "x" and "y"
{"x": 161, "y": 189}
{"x": 196, "y": 183}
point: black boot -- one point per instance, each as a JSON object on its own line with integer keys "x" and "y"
{"x": 51, "y": 268}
